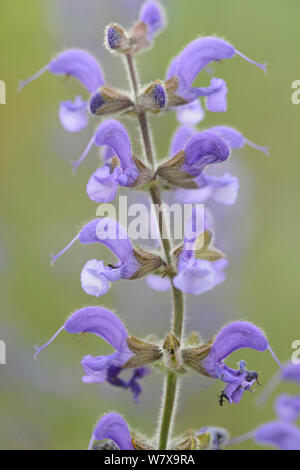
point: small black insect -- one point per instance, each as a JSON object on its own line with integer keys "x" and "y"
{"x": 221, "y": 398}
{"x": 252, "y": 375}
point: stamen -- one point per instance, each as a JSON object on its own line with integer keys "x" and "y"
{"x": 90, "y": 446}
{"x": 242, "y": 438}
{"x": 262, "y": 66}
{"x": 81, "y": 336}
{"x": 274, "y": 356}
{"x": 38, "y": 350}
{"x": 268, "y": 389}
{"x": 54, "y": 257}
{"x": 265, "y": 150}
{"x": 23, "y": 83}
{"x": 82, "y": 157}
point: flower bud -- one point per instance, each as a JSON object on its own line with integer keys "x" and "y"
{"x": 138, "y": 38}
{"x": 116, "y": 38}
{"x": 154, "y": 97}
{"x": 108, "y": 100}
{"x": 151, "y": 22}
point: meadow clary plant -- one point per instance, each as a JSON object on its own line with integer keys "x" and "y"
{"x": 192, "y": 267}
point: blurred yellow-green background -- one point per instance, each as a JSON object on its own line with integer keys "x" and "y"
{"x": 43, "y": 403}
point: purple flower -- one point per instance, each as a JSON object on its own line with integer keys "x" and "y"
{"x": 132, "y": 384}
{"x": 190, "y": 114}
{"x": 84, "y": 67}
{"x": 236, "y": 139}
{"x": 287, "y": 407}
{"x": 196, "y": 276}
{"x": 112, "y": 426}
{"x": 180, "y": 138}
{"x": 216, "y": 101}
{"x": 288, "y": 372}
{"x": 107, "y": 154}
{"x": 221, "y": 189}
{"x": 279, "y": 434}
{"x": 236, "y": 335}
{"x": 161, "y": 284}
{"x": 102, "y": 185}
{"x": 202, "y": 149}
{"x": 153, "y": 16}
{"x": 191, "y": 61}
{"x": 95, "y": 276}
{"x": 291, "y": 373}
{"x": 233, "y": 137}
{"x": 108, "y": 326}
{"x": 73, "y": 115}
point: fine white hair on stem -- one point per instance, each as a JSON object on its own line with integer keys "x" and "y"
{"x": 161, "y": 411}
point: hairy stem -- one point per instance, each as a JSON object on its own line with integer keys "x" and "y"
{"x": 168, "y": 410}
{"x": 178, "y": 313}
{"x": 133, "y": 75}
{"x": 156, "y": 199}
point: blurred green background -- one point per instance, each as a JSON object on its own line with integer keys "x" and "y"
{"x": 43, "y": 403}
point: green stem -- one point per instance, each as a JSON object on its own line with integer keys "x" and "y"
{"x": 133, "y": 75}
{"x": 156, "y": 199}
{"x": 168, "y": 410}
{"x": 146, "y": 137}
{"x": 178, "y": 312}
